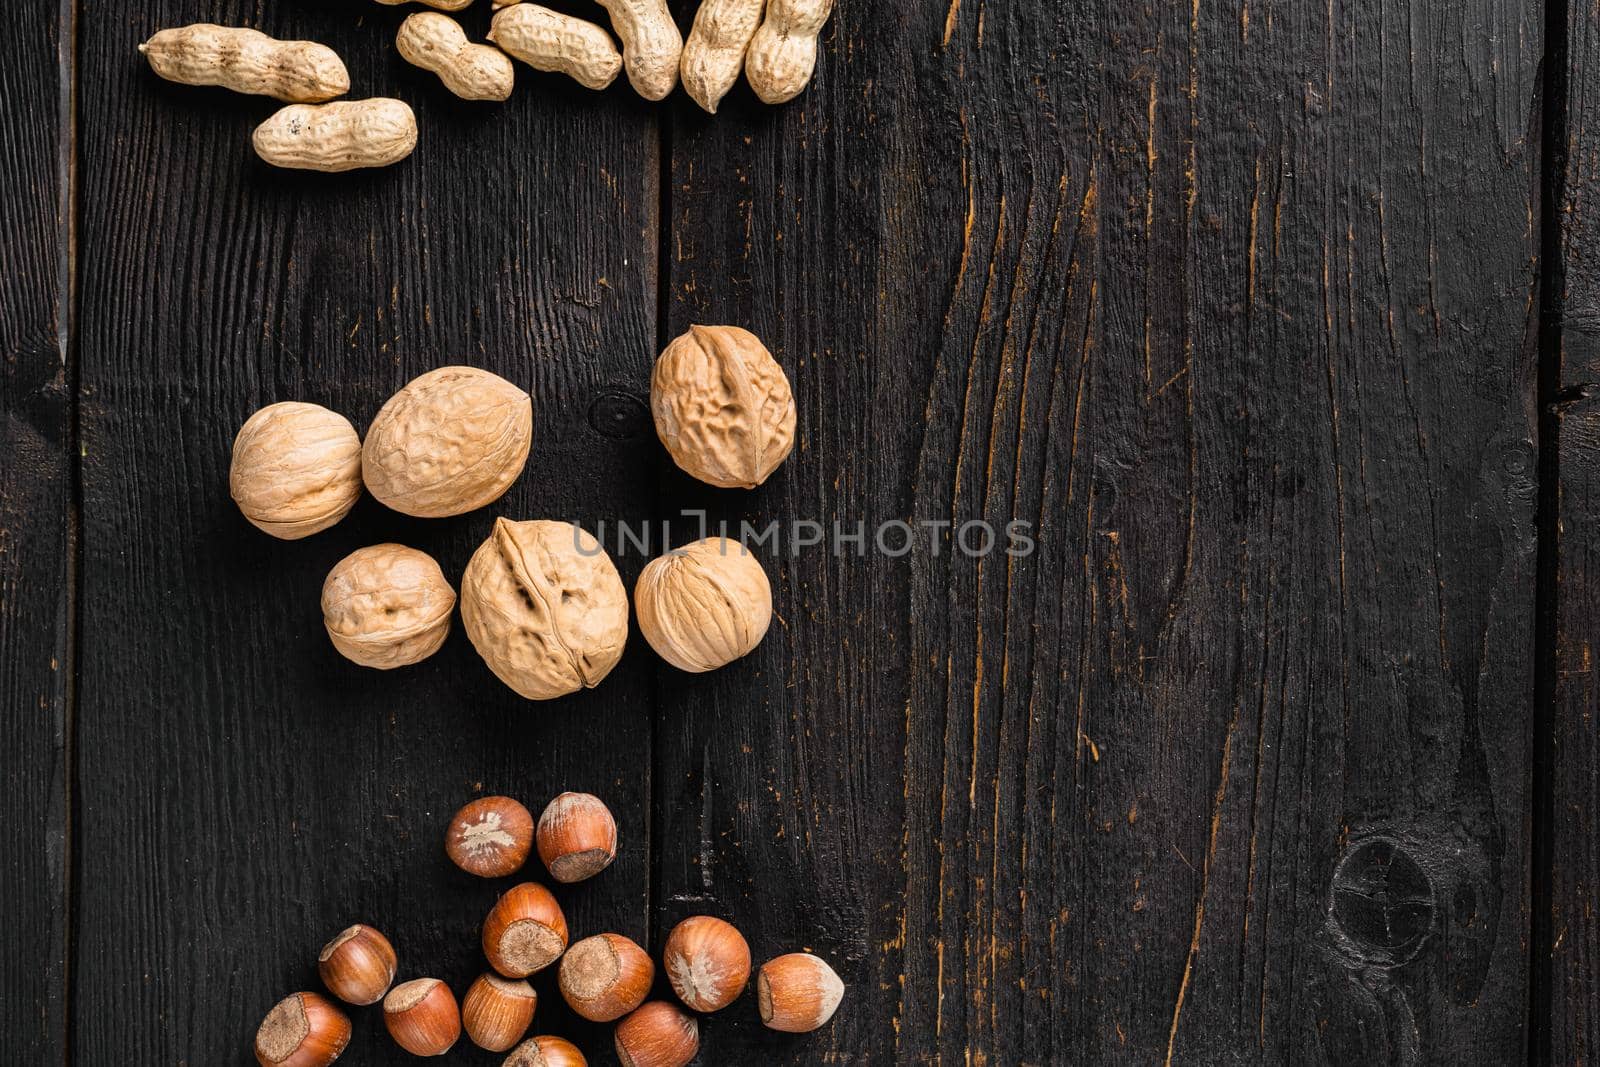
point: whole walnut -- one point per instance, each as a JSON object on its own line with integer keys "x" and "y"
{"x": 387, "y": 606}
{"x": 296, "y": 469}
{"x": 544, "y": 607}
{"x": 722, "y": 406}
{"x": 704, "y": 605}
{"x": 448, "y": 443}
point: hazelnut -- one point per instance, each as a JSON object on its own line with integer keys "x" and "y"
{"x": 606, "y": 976}
{"x": 544, "y": 607}
{"x": 704, "y": 605}
{"x": 303, "y": 1030}
{"x": 422, "y": 1017}
{"x": 296, "y": 469}
{"x": 707, "y": 961}
{"x": 490, "y": 837}
{"x": 577, "y": 837}
{"x": 387, "y": 606}
{"x": 357, "y": 966}
{"x": 722, "y": 406}
{"x": 525, "y": 931}
{"x": 546, "y": 1052}
{"x": 659, "y": 1034}
{"x": 498, "y": 1011}
{"x": 797, "y": 993}
{"x": 450, "y": 442}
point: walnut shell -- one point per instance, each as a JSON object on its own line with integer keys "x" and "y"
{"x": 704, "y": 605}
{"x": 544, "y": 607}
{"x": 387, "y": 606}
{"x": 296, "y": 469}
{"x": 448, "y": 443}
{"x": 722, "y": 406}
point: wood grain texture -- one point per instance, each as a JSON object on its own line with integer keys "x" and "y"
{"x": 35, "y": 539}
{"x": 246, "y": 792}
{"x": 1235, "y": 305}
{"x": 1567, "y": 940}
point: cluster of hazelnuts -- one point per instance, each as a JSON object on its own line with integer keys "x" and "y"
{"x": 540, "y": 600}
{"x": 604, "y": 978}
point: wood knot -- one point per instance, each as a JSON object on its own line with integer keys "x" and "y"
{"x": 619, "y": 415}
{"x": 1382, "y": 902}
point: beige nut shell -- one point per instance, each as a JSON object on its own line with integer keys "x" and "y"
{"x": 783, "y": 53}
{"x": 333, "y": 138}
{"x": 722, "y": 406}
{"x": 437, "y": 43}
{"x": 713, "y": 55}
{"x": 704, "y": 605}
{"x": 448, "y": 443}
{"x": 387, "y": 606}
{"x": 550, "y": 41}
{"x": 296, "y": 469}
{"x": 544, "y": 607}
{"x": 247, "y": 61}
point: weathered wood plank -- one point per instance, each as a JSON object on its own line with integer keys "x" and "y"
{"x": 1567, "y": 944}
{"x": 35, "y": 539}
{"x": 246, "y": 792}
{"x": 1236, "y": 305}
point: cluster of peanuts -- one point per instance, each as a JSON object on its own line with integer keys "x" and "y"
{"x": 774, "y": 43}
{"x": 604, "y": 978}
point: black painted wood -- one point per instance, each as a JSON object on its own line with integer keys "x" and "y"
{"x": 1236, "y": 306}
{"x": 35, "y": 538}
{"x": 245, "y": 792}
{"x": 1568, "y": 945}
{"x": 1233, "y": 305}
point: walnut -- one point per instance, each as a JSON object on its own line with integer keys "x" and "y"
{"x": 448, "y": 443}
{"x": 704, "y": 605}
{"x": 387, "y": 606}
{"x": 296, "y": 469}
{"x": 722, "y": 406}
{"x": 545, "y": 608}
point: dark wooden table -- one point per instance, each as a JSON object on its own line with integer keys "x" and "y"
{"x": 1276, "y": 319}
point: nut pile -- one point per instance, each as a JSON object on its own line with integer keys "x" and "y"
{"x": 605, "y": 977}
{"x": 773, "y": 42}
{"x": 541, "y": 601}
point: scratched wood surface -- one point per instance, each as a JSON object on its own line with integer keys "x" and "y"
{"x": 1233, "y": 307}
{"x": 1565, "y": 977}
{"x": 35, "y": 546}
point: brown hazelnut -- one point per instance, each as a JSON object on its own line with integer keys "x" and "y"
{"x": 659, "y": 1034}
{"x": 546, "y": 1052}
{"x": 490, "y": 837}
{"x": 606, "y": 976}
{"x": 302, "y": 1030}
{"x": 707, "y": 961}
{"x": 358, "y": 966}
{"x": 798, "y": 993}
{"x": 525, "y": 931}
{"x": 498, "y": 1011}
{"x": 577, "y": 837}
{"x": 422, "y": 1017}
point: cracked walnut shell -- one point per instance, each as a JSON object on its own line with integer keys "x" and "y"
{"x": 448, "y": 443}
{"x": 722, "y": 406}
{"x": 387, "y": 606}
{"x": 296, "y": 469}
{"x": 544, "y": 607}
{"x": 704, "y": 605}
